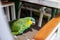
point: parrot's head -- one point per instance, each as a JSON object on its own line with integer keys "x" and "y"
{"x": 33, "y": 20}
{"x": 30, "y": 20}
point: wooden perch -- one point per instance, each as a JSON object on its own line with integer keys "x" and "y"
{"x": 48, "y": 29}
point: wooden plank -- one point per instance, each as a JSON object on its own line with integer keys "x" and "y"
{"x": 5, "y": 4}
{"x": 55, "y": 4}
{"x": 43, "y": 33}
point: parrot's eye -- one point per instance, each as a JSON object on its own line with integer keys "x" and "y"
{"x": 32, "y": 19}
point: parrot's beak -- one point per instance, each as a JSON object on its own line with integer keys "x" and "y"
{"x": 33, "y": 23}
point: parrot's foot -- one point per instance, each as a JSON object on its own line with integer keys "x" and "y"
{"x": 19, "y": 34}
{"x": 15, "y": 37}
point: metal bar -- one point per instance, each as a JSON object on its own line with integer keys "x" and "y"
{"x": 30, "y": 13}
{"x": 40, "y": 18}
{"x": 30, "y": 9}
{"x": 19, "y": 11}
{"x": 7, "y": 13}
{"x": 13, "y": 12}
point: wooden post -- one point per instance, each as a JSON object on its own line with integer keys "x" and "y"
{"x": 5, "y": 33}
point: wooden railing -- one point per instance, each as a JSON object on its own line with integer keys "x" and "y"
{"x": 48, "y": 30}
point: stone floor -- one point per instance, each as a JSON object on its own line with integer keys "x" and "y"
{"x": 28, "y": 34}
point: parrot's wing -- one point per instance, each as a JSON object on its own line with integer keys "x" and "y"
{"x": 14, "y": 33}
{"x": 20, "y": 25}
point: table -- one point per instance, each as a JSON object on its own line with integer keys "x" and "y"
{"x": 12, "y": 5}
{"x": 55, "y": 5}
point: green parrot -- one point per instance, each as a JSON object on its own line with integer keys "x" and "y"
{"x": 20, "y": 25}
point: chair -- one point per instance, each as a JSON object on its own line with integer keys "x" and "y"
{"x": 6, "y": 5}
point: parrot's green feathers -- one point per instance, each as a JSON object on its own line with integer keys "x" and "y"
{"x": 20, "y": 25}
